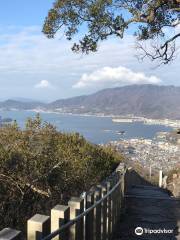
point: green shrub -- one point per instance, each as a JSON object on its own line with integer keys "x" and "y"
{"x": 40, "y": 167}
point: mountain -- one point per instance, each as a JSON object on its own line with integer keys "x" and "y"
{"x": 141, "y": 100}
{"x": 20, "y": 105}
{"x": 21, "y": 99}
{"x": 150, "y": 101}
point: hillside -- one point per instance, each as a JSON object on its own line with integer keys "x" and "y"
{"x": 21, "y": 105}
{"x": 141, "y": 100}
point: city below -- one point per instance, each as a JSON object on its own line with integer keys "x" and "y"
{"x": 149, "y": 121}
{"x": 162, "y": 152}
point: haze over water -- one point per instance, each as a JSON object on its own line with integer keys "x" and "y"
{"x": 95, "y": 129}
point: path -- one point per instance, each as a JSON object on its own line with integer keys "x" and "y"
{"x": 150, "y": 208}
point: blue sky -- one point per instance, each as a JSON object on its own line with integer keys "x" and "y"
{"x": 32, "y": 66}
{"x": 24, "y": 13}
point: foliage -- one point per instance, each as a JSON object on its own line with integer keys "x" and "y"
{"x": 100, "y": 19}
{"x": 171, "y": 172}
{"x": 40, "y": 167}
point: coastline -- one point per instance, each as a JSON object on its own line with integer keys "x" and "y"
{"x": 121, "y": 118}
{"x": 115, "y": 118}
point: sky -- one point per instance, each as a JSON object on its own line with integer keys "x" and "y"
{"x": 32, "y": 66}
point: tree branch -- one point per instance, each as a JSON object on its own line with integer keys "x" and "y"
{"x": 170, "y": 40}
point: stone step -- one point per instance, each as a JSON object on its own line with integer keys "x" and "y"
{"x": 149, "y": 207}
{"x": 147, "y": 187}
{"x": 152, "y": 197}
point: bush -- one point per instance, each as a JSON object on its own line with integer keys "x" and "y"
{"x": 171, "y": 172}
{"x": 40, "y": 167}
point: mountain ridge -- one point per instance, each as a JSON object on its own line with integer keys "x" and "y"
{"x": 152, "y": 101}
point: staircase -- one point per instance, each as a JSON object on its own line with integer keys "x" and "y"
{"x": 125, "y": 206}
{"x": 153, "y": 210}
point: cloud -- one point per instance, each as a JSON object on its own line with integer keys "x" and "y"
{"x": 27, "y": 56}
{"x": 43, "y": 84}
{"x": 109, "y": 76}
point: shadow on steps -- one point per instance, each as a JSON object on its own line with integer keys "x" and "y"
{"x": 150, "y": 208}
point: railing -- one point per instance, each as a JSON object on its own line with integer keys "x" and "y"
{"x": 92, "y": 217}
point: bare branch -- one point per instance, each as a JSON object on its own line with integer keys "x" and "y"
{"x": 170, "y": 40}
{"x": 164, "y": 52}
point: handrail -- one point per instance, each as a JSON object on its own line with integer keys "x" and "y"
{"x": 76, "y": 219}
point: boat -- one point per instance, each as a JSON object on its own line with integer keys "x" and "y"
{"x": 121, "y": 132}
{"x": 122, "y": 120}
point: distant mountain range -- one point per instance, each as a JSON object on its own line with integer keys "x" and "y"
{"x": 150, "y": 101}
{"x": 21, "y": 105}
{"x": 20, "y": 99}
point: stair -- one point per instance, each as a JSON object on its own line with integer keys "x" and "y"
{"x": 152, "y": 209}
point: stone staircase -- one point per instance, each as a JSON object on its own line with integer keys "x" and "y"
{"x": 152, "y": 212}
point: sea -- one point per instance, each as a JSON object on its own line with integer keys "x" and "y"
{"x": 98, "y": 130}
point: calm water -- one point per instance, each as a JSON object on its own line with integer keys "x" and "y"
{"x": 95, "y": 129}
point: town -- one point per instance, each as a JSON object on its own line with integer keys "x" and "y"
{"x": 162, "y": 152}
{"x": 166, "y": 122}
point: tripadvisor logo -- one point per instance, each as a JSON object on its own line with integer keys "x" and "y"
{"x": 140, "y": 231}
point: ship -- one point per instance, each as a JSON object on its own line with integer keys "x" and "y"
{"x": 121, "y": 132}
{"x": 122, "y": 120}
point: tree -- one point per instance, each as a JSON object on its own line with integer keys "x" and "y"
{"x": 41, "y": 167}
{"x": 100, "y": 19}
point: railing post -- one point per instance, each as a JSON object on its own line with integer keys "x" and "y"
{"x": 123, "y": 189}
{"x": 38, "y": 227}
{"x": 113, "y": 203}
{"x": 104, "y": 212}
{"x": 89, "y": 219}
{"x": 10, "y": 234}
{"x": 97, "y": 213}
{"x": 121, "y": 196}
{"x": 119, "y": 191}
{"x": 160, "y": 178}
{"x": 76, "y": 207}
{"x": 59, "y": 216}
{"x": 109, "y": 210}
